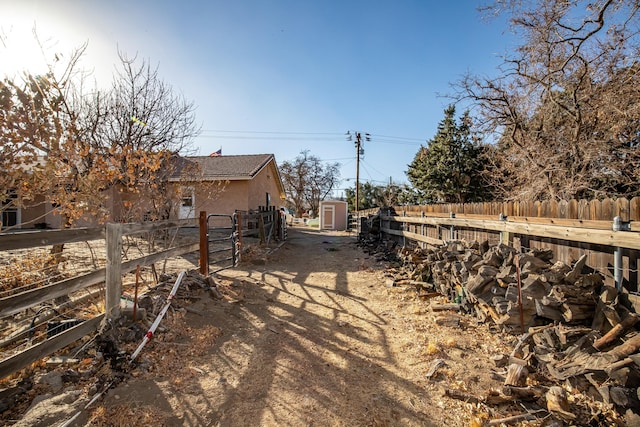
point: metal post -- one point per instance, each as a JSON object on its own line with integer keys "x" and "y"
{"x": 452, "y": 231}
{"x": 505, "y": 236}
{"x": 235, "y": 254}
{"x": 404, "y": 228}
{"x": 204, "y": 244}
{"x": 617, "y": 256}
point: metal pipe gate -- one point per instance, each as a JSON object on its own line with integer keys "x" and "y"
{"x": 219, "y": 249}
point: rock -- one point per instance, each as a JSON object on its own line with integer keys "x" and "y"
{"x": 48, "y": 410}
{"x": 53, "y": 379}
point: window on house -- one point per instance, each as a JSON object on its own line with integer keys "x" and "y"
{"x": 9, "y": 211}
{"x": 187, "y": 198}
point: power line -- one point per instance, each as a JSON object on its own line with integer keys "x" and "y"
{"x": 294, "y": 135}
{"x": 272, "y": 132}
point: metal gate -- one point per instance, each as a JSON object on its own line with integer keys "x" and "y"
{"x": 223, "y": 250}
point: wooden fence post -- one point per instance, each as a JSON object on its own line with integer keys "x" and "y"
{"x": 113, "y": 273}
{"x": 423, "y": 230}
{"x": 204, "y": 243}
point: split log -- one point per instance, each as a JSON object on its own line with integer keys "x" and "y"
{"x": 408, "y": 282}
{"x": 516, "y": 375}
{"x": 625, "y": 349}
{"x": 575, "y": 273}
{"x": 616, "y": 332}
{"x": 461, "y": 395}
{"x": 479, "y": 283}
{"x": 577, "y": 312}
{"x": 523, "y": 393}
{"x": 558, "y": 403}
{"x": 444, "y": 307}
{"x": 548, "y": 309}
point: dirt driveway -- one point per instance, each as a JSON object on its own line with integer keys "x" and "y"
{"x": 306, "y": 336}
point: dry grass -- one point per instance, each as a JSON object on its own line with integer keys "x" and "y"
{"x": 27, "y": 272}
{"x": 126, "y": 415}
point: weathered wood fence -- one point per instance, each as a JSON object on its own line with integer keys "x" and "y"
{"x": 110, "y": 277}
{"x": 39, "y": 301}
{"x": 569, "y": 228}
{"x": 267, "y": 223}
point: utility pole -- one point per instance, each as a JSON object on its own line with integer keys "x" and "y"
{"x": 359, "y": 152}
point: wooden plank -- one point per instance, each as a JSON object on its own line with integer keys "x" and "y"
{"x": 49, "y": 346}
{"x": 132, "y": 228}
{"x": 608, "y": 209}
{"x": 159, "y": 256}
{"x": 572, "y": 209}
{"x": 622, "y": 209}
{"x": 414, "y": 236}
{"x": 634, "y": 209}
{"x": 30, "y": 239}
{"x": 22, "y": 301}
{"x": 625, "y": 239}
{"x": 582, "y": 223}
{"x": 583, "y": 210}
{"x": 597, "y": 225}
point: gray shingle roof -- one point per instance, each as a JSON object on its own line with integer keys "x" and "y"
{"x": 226, "y": 167}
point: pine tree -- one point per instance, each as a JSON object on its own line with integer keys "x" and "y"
{"x": 449, "y": 168}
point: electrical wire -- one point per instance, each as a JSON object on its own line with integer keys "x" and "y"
{"x": 307, "y": 136}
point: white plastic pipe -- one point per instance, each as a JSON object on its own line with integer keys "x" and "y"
{"x": 156, "y": 322}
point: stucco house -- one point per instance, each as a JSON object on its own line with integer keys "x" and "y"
{"x": 215, "y": 184}
{"x": 224, "y": 184}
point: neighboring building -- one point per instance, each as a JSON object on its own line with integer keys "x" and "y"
{"x": 215, "y": 184}
{"x": 223, "y": 184}
{"x": 333, "y": 215}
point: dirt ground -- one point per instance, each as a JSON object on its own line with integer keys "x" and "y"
{"x": 308, "y": 335}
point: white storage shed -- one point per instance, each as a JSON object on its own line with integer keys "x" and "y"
{"x": 333, "y": 215}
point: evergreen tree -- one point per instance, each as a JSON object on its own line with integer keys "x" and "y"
{"x": 449, "y": 168}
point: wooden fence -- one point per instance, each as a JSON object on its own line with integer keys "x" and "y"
{"x": 111, "y": 275}
{"x": 569, "y": 228}
{"x": 268, "y": 224}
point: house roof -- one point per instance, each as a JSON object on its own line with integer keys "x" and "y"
{"x": 238, "y": 167}
{"x": 223, "y": 168}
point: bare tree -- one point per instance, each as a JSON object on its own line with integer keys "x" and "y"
{"x": 139, "y": 124}
{"x": 566, "y": 102}
{"x": 307, "y": 181}
{"x": 66, "y": 144}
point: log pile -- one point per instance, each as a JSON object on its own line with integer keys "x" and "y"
{"x": 578, "y": 334}
{"x": 514, "y": 290}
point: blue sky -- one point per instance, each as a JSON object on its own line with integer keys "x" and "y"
{"x": 282, "y": 76}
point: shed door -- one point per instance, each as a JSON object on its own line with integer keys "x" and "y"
{"x": 328, "y": 217}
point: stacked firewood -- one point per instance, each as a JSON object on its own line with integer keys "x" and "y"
{"x": 577, "y": 333}
{"x": 510, "y": 288}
